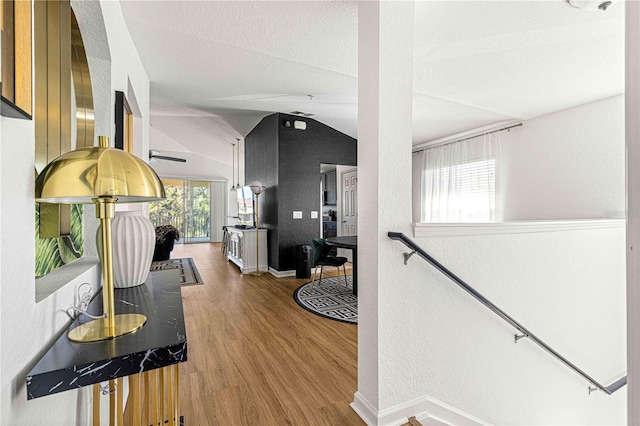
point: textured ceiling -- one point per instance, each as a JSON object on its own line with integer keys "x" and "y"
{"x": 218, "y": 67}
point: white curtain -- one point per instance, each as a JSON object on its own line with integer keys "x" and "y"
{"x": 219, "y": 196}
{"x": 458, "y": 181}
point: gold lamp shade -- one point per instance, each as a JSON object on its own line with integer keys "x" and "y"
{"x": 103, "y": 176}
{"x": 79, "y": 176}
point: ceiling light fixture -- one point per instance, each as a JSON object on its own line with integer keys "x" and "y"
{"x": 233, "y": 164}
{"x": 591, "y": 4}
{"x": 238, "y": 181}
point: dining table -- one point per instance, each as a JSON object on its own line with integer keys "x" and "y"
{"x": 349, "y": 242}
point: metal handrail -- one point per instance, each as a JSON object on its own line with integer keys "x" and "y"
{"x": 495, "y": 309}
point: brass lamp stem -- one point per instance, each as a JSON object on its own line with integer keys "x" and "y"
{"x": 105, "y": 211}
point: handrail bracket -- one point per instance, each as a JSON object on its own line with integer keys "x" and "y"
{"x": 407, "y": 256}
{"x": 519, "y": 336}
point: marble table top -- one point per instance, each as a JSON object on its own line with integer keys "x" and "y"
{"x": 161, "y": 342}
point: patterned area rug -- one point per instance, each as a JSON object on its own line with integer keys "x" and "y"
{"x": 181, "y": 271}
{"x": 325, "y": 299}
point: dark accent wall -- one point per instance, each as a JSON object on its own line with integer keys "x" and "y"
{"x": 287, "y": 161}
{"x": 261, "y": 164}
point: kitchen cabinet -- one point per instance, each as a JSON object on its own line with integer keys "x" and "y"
{"x": 329, "y": 229}
{"x": 242, "y": 249}
{"x": 330, "y": 189}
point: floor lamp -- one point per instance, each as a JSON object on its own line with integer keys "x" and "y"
{"x": 257, "y": 188}
{"x": 102, "y": 176}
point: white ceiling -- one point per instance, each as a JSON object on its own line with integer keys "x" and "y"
{"x": 218, "y": 67}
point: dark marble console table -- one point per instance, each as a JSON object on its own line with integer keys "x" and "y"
{"x": 161, "y": 342}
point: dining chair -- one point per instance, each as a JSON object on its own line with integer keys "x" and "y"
{"x": 321, "y": 258}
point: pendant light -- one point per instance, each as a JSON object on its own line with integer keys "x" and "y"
{"x": 233, "y": 164}
{"x": 238, "y": 181}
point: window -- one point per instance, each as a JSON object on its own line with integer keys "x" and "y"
{"x": 465, "y": 193}
{"x": 457, "y": 181}
{"x": 187, "y": 207}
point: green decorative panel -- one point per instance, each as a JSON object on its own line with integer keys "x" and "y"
{"x": 52, "y": 253}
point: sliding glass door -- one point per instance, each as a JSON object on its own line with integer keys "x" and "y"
{"x": 187, "y": 207}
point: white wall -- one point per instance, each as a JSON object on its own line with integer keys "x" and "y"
{"x": 566, "y": 165}
{"x": 127, "y": 72}
{"x": 197, "y": 167}
{"x": 385, "y": 65}
{"x": 127, "y": 76}
{"x": 28, "y": 328}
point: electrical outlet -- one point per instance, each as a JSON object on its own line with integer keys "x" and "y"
{"x": 83, "y": 298}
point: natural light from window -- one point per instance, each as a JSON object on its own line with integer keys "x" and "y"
{"x": 463, "y": 193}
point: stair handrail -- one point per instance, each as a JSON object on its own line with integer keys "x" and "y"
{"x": 525, "y": 333}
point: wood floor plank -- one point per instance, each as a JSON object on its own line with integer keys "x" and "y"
{"x": 255, "y": 356}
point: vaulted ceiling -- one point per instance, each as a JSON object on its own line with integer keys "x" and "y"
{"x": 218, "y": 67}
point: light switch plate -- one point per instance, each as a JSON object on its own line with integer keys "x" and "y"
{"x": 297, "y": 215}
{"x": 314, "y": 214}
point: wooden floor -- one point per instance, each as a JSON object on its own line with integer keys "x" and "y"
{"x": 256, "y": 357}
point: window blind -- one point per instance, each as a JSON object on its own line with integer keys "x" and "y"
{"x": 464, "y": 192}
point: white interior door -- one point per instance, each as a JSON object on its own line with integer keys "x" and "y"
{"x": 348, "y": 206}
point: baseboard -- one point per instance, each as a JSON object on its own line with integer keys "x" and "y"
{"x": 428, "y": 411}
{"x": 365, "y": 410}
{"x": 281, "y": 274}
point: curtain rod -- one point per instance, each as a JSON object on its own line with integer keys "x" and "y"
{"x": 436, "y": 145}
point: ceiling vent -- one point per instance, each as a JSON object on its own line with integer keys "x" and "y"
{"x": 591, "y": 4}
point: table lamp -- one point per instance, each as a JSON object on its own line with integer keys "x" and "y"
{"x": 257, "y": 188}
{"x": 102, "y": 176}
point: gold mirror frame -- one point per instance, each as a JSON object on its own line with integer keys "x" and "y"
{"x": 15, "y": 24}
{"x": 82, "y": 87}
{"x": 59, "y": 52}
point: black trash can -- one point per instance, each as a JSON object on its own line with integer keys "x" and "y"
{"x": 304, "y": 260}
